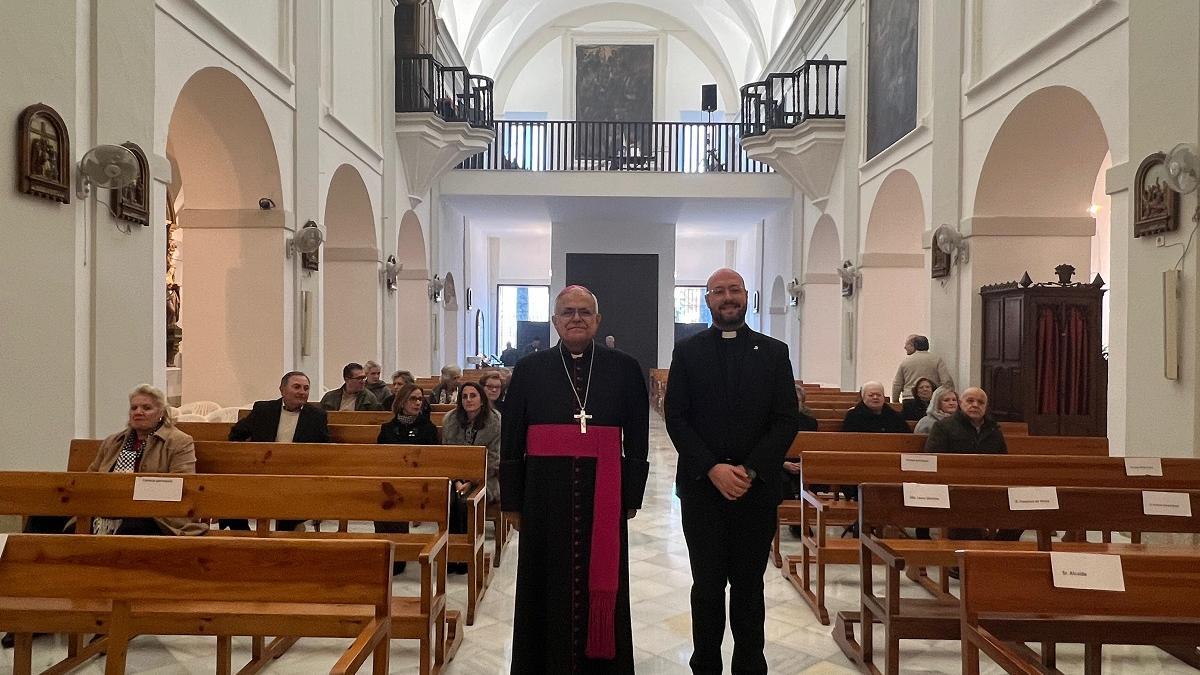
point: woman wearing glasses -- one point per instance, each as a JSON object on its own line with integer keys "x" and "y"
{"x": 410, "y": 425}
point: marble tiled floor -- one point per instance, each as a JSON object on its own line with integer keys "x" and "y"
{"x": 659, "y": 583}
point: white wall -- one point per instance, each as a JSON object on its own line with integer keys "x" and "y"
{"x": 642, "y": 238}
{"x": 698, "y": 256}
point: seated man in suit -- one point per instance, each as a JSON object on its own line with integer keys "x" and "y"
{"x": 287, "y": 419}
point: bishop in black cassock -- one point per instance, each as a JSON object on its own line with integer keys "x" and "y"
{"x": 560, "y": 391}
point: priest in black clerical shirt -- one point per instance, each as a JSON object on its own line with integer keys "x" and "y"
{"x": 732, "y": 413}
{"x": 573, "y": 446}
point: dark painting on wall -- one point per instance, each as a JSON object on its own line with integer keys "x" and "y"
{"x": 615, "y": 83}
{"x": 891, "y": 72}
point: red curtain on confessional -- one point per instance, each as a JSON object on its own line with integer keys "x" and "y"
{"x": 1047, "y": 362}
{"x": 1076, "y": 374}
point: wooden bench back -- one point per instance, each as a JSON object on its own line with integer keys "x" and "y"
{"x": 228, "y": 496}
{"x": 1022, "y": 583}
{"x": 340, "y": 433}
{"x": 819, "y": 441}
{"x": 850, "y": 468}
{"x": 368, "y": 417}
{"x": 464, "y": 462}
{"x": 197, "y": 568}
{"x": 1103, "y": 509}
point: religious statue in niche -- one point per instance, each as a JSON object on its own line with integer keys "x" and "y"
{"x": 174, "y": 291}
{"x": 1155, "y": 206}
{"x": 44, "y": 154}
{"x": 132, "y": 202}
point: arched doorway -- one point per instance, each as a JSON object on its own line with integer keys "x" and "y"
{"x": 351, "y": 293}
{"x": 893, "y": 298}
{"x": 414, "y": 345}
{"x": 232, "y": 271}
{"x": 821, "y": 309}
{"x": 1040, "y": 191}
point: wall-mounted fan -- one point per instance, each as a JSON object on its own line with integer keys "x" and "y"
{"x": 1183, "y": 168}
{"x": 391, "y": 273}
{"x": 850, "y": 276}
{"x": 109, "y": 167}
{"x": 950, "y": 241}
{"x": 796, "y": 290}
{"x": 307, "y": 240}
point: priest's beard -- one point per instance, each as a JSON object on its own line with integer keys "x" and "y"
{"x": 737, "y": 321}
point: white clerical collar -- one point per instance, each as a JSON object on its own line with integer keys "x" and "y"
{"x": 729, "y": 334}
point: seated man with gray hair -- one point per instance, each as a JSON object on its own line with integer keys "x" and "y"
{"x": 446, "y": 391}
{"x": 873, "y": 414}
{"x": 375, "y": 384}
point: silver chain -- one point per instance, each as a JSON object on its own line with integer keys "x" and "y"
{"x": 587, "y": 390}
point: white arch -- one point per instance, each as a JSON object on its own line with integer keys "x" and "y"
{"x": 351, "y": 288}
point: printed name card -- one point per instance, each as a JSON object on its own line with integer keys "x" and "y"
{"x": 157, "y": 489}
{"x": 925, "y": 496}
{"x": 1166, "y": 503}
{"x": 1087, "y": 571}
{"x": 1143, "y": 466}
{"x": 916, "y": 462}
{"x": 1032, "y": 499}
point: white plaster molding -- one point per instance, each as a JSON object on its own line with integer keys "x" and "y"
{"x": 807, "y": 153}
{"x": 351, "y": 254}
{"x": 1028, "y": 226}
{"x": 892, "y": 260}
{"x": 220, "y": 219}
{"x": 413, "y": 275}
{"x": 822, "y": 278}
{"x": 178, "y": 9}
{"x": 812, "y": 19}
{"x": 976, "y": 84}
{"x": 908, "y": 145}
{"x": 357, "y": 145}
{"x": 1118, "y": 178}
{"x": 429, "y": 147}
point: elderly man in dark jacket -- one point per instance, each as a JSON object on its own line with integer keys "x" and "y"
{"x": 873, "y": 414}
{"x": 969, "y": 430}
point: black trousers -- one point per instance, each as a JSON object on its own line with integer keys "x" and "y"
{"x": 244, "y": 524}
{"x": 58, "y": 524}
{"x": 728, "y": 544}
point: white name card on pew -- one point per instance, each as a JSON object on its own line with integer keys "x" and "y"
{"x": 925, "y": 496}
{"x": 917, "y": 462}
{"x": 1087, "y": 571}
{"x": 157, "y": 489}
{"x": 1143, "y": 466}
{"x": 1166, "y": 503}
{"x": 1032, "y": 499}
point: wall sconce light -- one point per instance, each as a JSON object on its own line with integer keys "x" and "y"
{"x": 391, "y": 272}
{"x": 435, "y": 289}
{"x": 796, "y": 290}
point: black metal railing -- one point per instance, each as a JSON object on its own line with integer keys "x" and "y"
{"x": 815, "y": 90}
{"x": 451, "y": 92}
{"x": 664, "y": 147}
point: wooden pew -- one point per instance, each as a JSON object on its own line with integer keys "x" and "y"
{"x": 832, "y": 423}
{"x": 1009, "y": 598}
{"x": 365, "y": 417}
{"x": 340, "y": 433}
{"x": 128, "y": 586}
{"x": 461, "y": 462}
{"x": 265, "y": 497}
{"x": 816, "y": 513}
{"x": 816, "y": 441}
{"x": 882, "y": 509}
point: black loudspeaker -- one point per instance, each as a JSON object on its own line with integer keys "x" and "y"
{"x": 708, "y": 97}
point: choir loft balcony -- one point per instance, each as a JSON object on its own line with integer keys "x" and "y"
{"x": 656, "y": 147}
{"x": 796, "y": 123}
{"x": 443, "y": 116}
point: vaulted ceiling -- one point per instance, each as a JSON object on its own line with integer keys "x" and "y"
{"x": 733, "y": 37}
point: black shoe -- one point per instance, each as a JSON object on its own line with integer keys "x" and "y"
{"x": 456, "y": 568}
{"x": 8, "y": 641}
{"x": 953, "y": 572}
{"x": 796, "y": 531}
{"x": 398, "y": 567}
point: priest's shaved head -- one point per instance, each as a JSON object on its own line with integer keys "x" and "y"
{"x": 576, "y": 317}
{"x": 725, "y": 294}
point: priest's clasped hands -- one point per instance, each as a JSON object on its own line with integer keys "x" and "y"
{"x": 732, "y": 481}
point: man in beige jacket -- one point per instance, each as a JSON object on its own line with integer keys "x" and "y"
{"x": 919, "y": 363}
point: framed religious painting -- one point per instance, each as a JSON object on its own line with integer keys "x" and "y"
{"x": 940, "y": 265}
{"x": 311, "y": 261}
{"x": 44, "y": 154}
{"x": 132, "y": 202}
{"x": 1155, "y": 206}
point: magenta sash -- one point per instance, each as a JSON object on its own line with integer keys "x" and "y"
{"x": 603, "y": 443}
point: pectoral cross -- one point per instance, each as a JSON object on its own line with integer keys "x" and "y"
{"x": 583, "y": 417}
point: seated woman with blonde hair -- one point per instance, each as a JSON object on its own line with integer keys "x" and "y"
{"x": 149, "y": 443}
{"x": 942, "y": 404}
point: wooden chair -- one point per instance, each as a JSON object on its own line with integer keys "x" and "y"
{"x": 817, "y": 512}
{"x": 460, "y": 462}
{"x": 883, "y": 513}
{"x": 1009, "y": 599}
{"x": 128, "y": 586}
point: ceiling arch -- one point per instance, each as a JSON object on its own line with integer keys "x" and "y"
{"x": 515, "y": 60}
{"x": 476, "y": 20}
